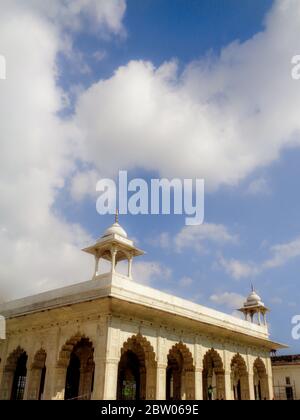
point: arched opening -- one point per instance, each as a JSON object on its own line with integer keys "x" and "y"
{"x": 42, "y": 383}
{"x": 260, "y": 379}
{"x": 75, "y": 369}
{"x": 174, "y": 373}
{"x": 14, "y": 376}
{"x": 180, "y": 378}
{"x": 80, "y": 371}
{"x": 137, "y": 370}
{"x": 130, "y": 374}
{"x": 73, "y": 378}
{"x": 37, "y": 376}
{"x": 213, "y": 377}
{"x": 19, "y": 381}
{"x": 239, "y": 378}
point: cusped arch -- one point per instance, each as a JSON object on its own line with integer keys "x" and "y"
{"x": 37, "y": 376}
{"x": 183, "y": 350}
{"x": 143, "y": 349}
{"x": 75, "y": 369}
{"x": 14, "y": 375}
{"x": 39, "y": 359}
{"x": 239, "y": 378}
{"x": 212, "y": 359}
{"x": 12, "y": 359}
{"x": 144, "y": 370}
{"x": 213, "y": 376}
{"x": 260, "y": 376}
{"x": 259, "y": 366}
{"x": 69, "y": 346}
{"x": 239, "y": 362}
{"x": 180, "y": 381}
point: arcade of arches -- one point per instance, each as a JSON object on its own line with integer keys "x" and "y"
{"x": 113, "y": 337}
{"x": 138, "y": 373}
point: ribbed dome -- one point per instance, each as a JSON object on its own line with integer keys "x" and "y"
{"x": 115, "y": 229}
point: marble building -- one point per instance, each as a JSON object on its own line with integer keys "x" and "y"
{"x": 114, "y": 338}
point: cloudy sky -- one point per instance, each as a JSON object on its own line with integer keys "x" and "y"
{"x": 162, "y": 89}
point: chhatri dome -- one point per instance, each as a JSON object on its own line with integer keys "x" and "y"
{"x": 114, "y": 246}
{"x": 115, "y": 228}
{"x": 254, "y": 306}
{"x": 253, "y": 299}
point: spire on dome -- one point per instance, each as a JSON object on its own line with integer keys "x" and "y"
{"x": 115, "y": 228}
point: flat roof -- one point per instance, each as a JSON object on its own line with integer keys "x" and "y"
{"x": 293, "y": 359}
{"x": 121, "y": 287}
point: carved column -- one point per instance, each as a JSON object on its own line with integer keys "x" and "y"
{"x": 97, "y": 258}
{"x": 6, "y": 384}
{"x": 190, "y": 385}
{"x": 245, "y": 390}
{"x": 161, "y": 373}
{"x": 130, "y": 267}
{"x": 251, "y": 386}
{"x": 198, "y": 359}
{"x": 34, "y": 382}
{"x": 60, "y": 383}
{"x": 99, "y": 376}
{"x": 111, "y": 379}
{"x": 113, "y": 259}
{"x": 151, "y": 381}
{"x": 226, "y": 385}
{"x": 198, "y": 383}
{"x": 270, "y": 379}
{"x": 51, "y": 364}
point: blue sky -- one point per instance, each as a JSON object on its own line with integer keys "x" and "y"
{"x": 160, "y": 31}
{"x": 158, "y": 88}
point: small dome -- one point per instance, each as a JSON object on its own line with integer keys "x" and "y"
{"x": 115, "y": 229}
{"x": 253, "y": 299}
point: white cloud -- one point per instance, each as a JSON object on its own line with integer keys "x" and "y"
{"x": 99, "y": 55}
{"x": 276, "y": 300}
{"x": 39, "y": 249}
{"x": 185, "y": 281}
{"x": 220, "y": 119}
{"x": 230, "y": 300}
{"x": 101, "y": 16}
{"x": 259, "y": 186}
{"x": 162, "y": 240}
{"x": 83, "y": 184}
{"x": 197, "y": 237}
{"x": 147, "y": 272}
{"x": 281, "y": 254}
{"x": 238, "y": 269}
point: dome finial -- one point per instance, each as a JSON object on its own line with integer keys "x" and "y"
{"x": 252, "y": 287}
{"x": 115, "y": 228}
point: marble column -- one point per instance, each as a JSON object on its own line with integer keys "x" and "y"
{"x": 198, "y": 384}
{"x": 227, "y": 382}
{"x": 111, "y": 379}
{"x": 161, "y": 373}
